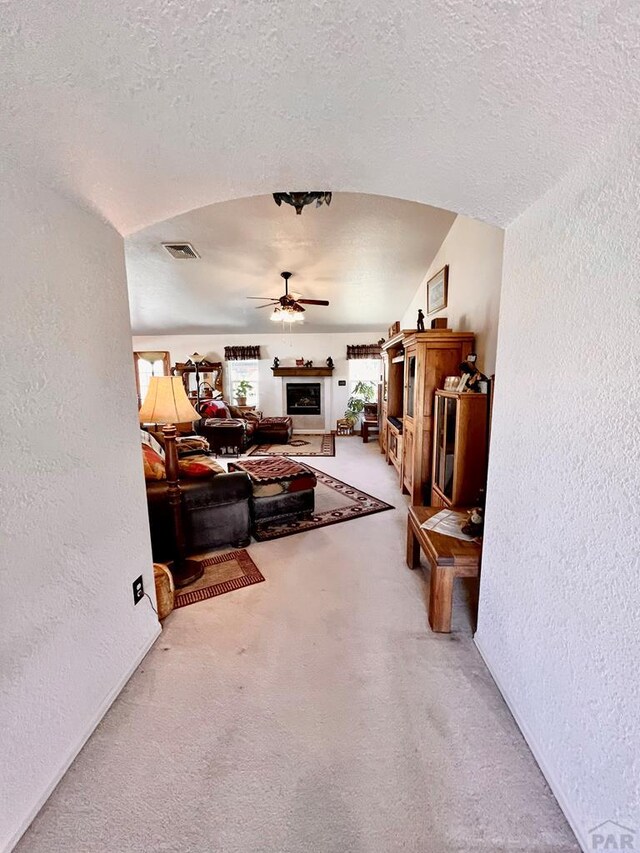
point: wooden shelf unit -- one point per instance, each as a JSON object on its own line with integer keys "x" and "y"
{"x": 391, "y": 435}
{"x": 415, "y": 365}
{"x": 429, "y": 358}
{"x": 459, "y": 448}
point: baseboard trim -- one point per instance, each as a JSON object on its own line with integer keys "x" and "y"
{"x": 537, "y": 753}
{"x": 102, "y": 710}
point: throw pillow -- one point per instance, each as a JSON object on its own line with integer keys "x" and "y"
{"x": 147, "y": 438}
{"x": 191, "y": 444}
{"x": 215, "y": 409}
{"x": 153, "y": 464}
{"x": 199, "y": 466}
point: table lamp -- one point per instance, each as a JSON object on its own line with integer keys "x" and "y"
{"x": 167, "y": 403}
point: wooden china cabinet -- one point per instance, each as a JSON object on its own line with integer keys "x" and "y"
{"x": 429, "y": 358}
{"x": 416, "y": 366}
{"x": 459, "y": 448}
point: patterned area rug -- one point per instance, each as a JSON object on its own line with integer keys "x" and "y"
{"x": 222, "y": 573}
{"x": 335, "y": 502}
{"x": 314, "y": 444}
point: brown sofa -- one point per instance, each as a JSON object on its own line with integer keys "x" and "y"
{"x": 230, "y": 429}
{"x": 215, "y": 510}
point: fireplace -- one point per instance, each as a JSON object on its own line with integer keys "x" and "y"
{"x": 303, "y": 398}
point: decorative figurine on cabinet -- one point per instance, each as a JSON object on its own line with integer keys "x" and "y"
{"x": 308, "y": 364}
{"x": 474, "y": 524}
{"x": 276, "y": 363}
{"x": 420, "y": 322}
{"x": 475, "y": 380}
{"x": 330, "y": 363}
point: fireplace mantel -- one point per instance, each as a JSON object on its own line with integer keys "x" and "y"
{"x": 302, "y": 371}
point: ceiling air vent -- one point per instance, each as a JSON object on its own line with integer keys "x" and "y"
{"x": 181, "y": 251}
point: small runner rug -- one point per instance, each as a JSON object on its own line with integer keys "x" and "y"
{"x": 222, "y": 573}
{"x": 335, "y": 502}
{"x": 314, "y": 444}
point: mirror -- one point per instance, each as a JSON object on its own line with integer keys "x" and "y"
{"x": 202, "y": 380}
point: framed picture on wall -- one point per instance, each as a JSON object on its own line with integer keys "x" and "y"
{"x": 438, "y": 290}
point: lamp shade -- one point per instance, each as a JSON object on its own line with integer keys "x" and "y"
{"x": 167, "y": 402}
{"x": 151, "y": 357}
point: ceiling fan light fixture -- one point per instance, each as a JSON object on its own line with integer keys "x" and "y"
{"x": 287, "y": 315}
{"x": 288, "y": 308}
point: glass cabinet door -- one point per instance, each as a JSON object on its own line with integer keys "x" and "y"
{"x": 450, "y": 445}
{"x": 385, "y": 377}
{"x": 446, "y": 411}
{"x": 411, "y": 385}
{"x": 440, "y": 441}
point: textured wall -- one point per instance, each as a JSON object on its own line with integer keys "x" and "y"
{"x": 73, "y": 521}
{"x": 473, "y": 251}
{"x": 560, "y": 591}
{"x": 287, "y": 346}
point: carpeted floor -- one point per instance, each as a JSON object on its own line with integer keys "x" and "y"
{"x": 315, "y": 713}
{"x": 303, "y": 444}
{"x": 335, "y": 502}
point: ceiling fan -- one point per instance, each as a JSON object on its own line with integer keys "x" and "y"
{"x": 287, "y": 308}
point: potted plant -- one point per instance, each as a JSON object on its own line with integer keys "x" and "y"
{"x": 363, "y": 392}
{"x": 242, "y": 389}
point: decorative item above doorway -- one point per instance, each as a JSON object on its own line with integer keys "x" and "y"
{"x": 301, "y": 199}
{"x": 438, "y": 291}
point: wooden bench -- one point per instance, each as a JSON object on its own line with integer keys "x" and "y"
{"x": 448, "y": 557}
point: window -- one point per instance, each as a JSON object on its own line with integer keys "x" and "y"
{"x": 148, "y": 364}
{"x": 364, "y": 370}
{"x": 364, "y": 378}
{"x": 243, "y": 371}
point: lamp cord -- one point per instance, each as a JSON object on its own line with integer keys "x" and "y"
{"x": 146, "y": 595}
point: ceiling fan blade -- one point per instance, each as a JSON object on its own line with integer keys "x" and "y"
{"x": 268, "y": 305}
{"x": 313, "y": 301}
{"x": 263, "y": 297}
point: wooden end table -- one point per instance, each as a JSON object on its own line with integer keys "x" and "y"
{"x": 367, "y": 428}
{"x": 448, "y": 557}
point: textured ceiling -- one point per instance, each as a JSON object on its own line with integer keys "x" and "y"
{"x": 366, "y": 254}
{"x": 144, "y": 111}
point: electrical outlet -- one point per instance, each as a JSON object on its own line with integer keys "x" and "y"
{"x": 138, "y": 590}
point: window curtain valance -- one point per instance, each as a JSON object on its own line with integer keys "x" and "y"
{"x": 241, "y": 353}
{"x": 363, "y": 351}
